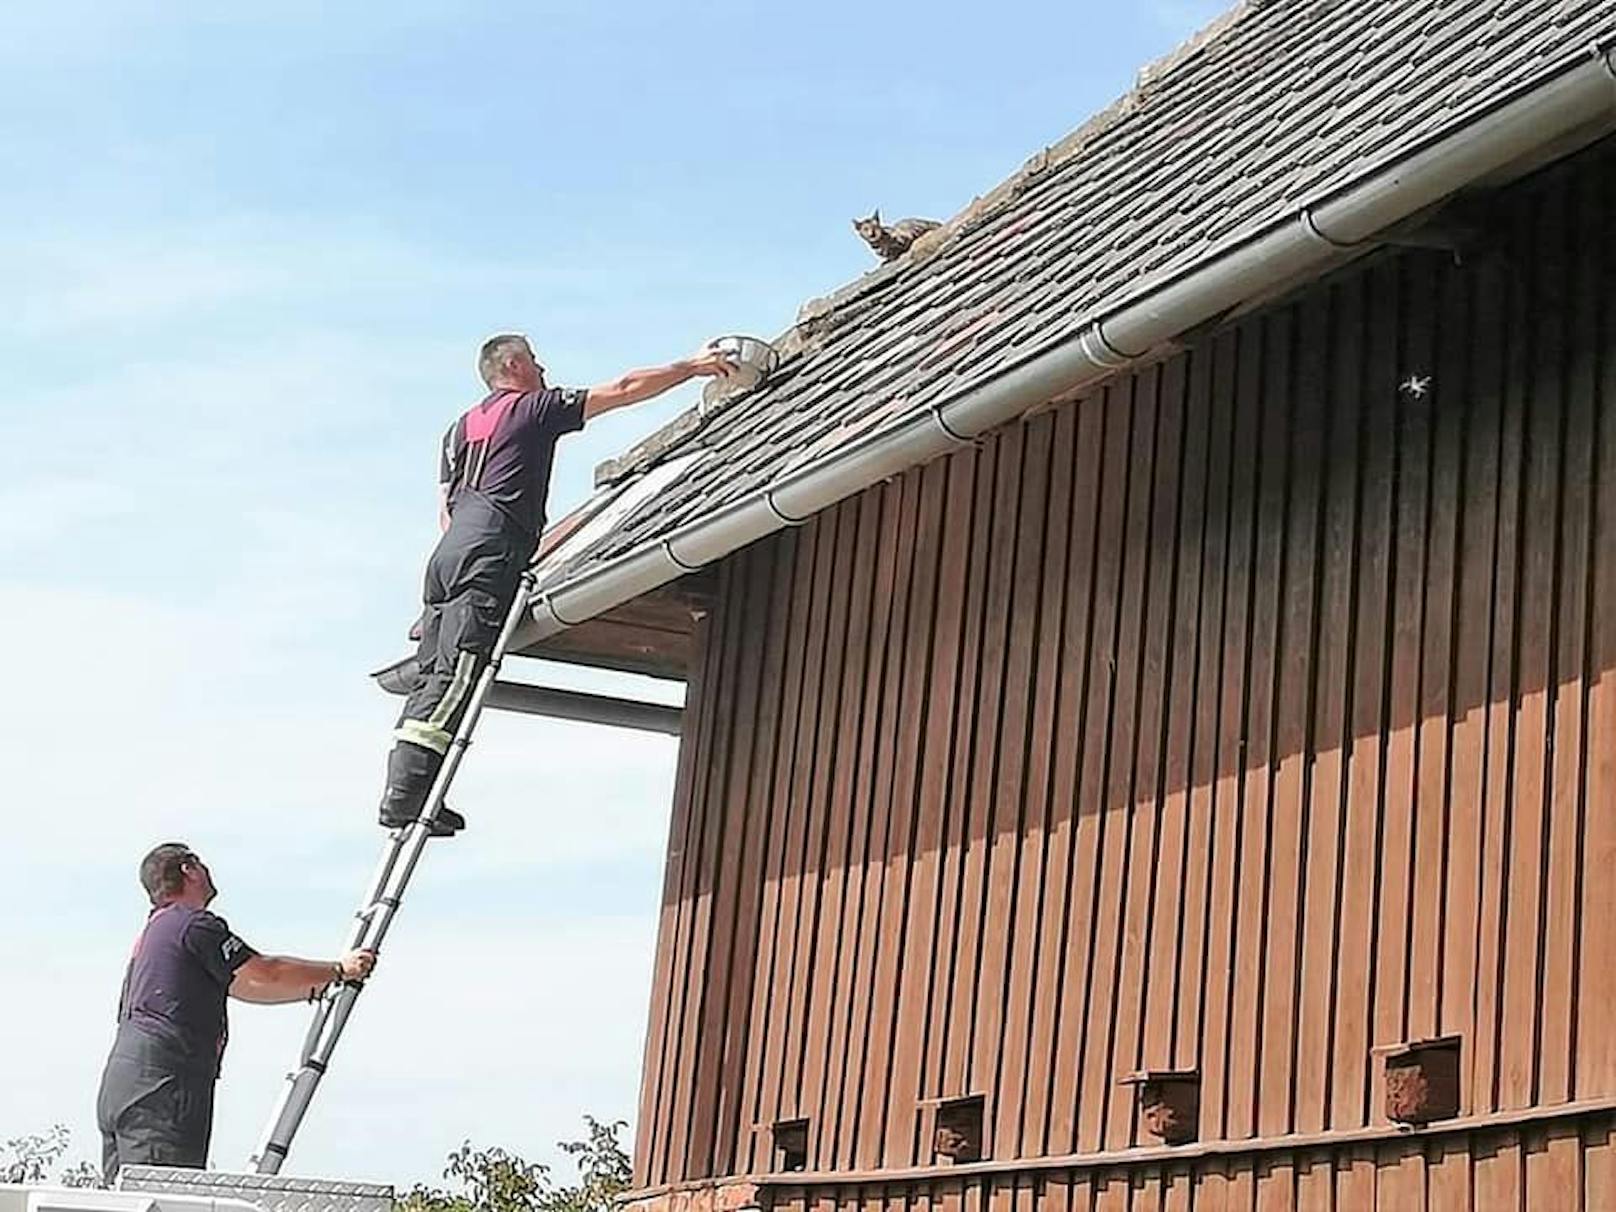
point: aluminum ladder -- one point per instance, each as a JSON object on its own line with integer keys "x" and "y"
{"x": 375, "y": 915}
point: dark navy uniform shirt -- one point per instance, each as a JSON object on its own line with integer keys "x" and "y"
{"x": 179, "y": 975}
{"x": 502, "y": 449}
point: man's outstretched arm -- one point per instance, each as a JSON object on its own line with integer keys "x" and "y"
{"x": 638, "y": 385}
{"x": 272, "y": 979}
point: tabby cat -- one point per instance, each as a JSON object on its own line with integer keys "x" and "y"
{"x": 892, "y": 242}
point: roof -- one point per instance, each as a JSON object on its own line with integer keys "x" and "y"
{"x": 1276, "y": 104}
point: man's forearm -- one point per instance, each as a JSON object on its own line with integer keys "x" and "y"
{"x": 270, "y": 979}
{"x": 636, "y": 386}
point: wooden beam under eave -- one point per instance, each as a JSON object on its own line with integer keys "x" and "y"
{"x": 653, "y": 634}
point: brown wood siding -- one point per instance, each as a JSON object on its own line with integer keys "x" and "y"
{"x": 1561, "y": 1167}
{"x": 1248, "y": 715}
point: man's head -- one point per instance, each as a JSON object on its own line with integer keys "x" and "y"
{"x": 172, "y": 873}
{"x": 507, "y": 363}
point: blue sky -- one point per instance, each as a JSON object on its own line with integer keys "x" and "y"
{"x": 248, "y": 255}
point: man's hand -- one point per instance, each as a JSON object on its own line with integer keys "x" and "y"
{"x": 357, "y": 965}
{"x": 710, "y": 362}
{"x": 272, "y": 979}
{"x": 638, "y": 385}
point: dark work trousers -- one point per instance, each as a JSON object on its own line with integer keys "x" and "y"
{"x": 154, "y": 1109}
{"x": 470, "y": 581}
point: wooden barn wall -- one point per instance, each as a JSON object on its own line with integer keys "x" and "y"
{"x": 1246, "y": 716}
{"x": 1559, "y": 1168}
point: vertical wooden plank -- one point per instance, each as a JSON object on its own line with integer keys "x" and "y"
{"x": 1237, "y": 355}
{"x": 1013, "y": 863}
{"x": 1447, "y": 1175}
{"x": 1394, "y": 923}
{"x": 648, "y": 1153}
{"x": 1400, "y": 1176}
{"x": 1497, "y": 802}
{"x": 1177, "y": 1189}
{"x": 902, "y": 857}
{"x": 700, "y": 893}
{"x": 1257, "y": 802}
{"x": 868, "y": 791}
{"x": 776, "y": 1099}
{"x": 1073, "y": 1058}
{"x": 1242, "y": 1195}
{"x": 1212, "y": 1186}
{"x": 826, "y": 994}
{"x": 1554, "y": 1181}
{"x": 808, "y": 976}
{"x": 1210, "y": 393}
{"x": 1520, "y": 1038}
{"x": 792, "y": 584}
{"x": 1598, "y": 1164}
{"x": 1145, "y": 1190}
{"x": 730, "y": 877}
{"x": 1315, "y": 1182}
{"x": 771, "y": 589}
{"x": 1497, "y": 1170}
{"x": 1432, "y": 724}
{"x": 1098, "y": 1118}
{"x": 1055, "y": 1190}
{"x": 1339, "y": 326}
{"x": 1579, "y": 355}
{"x": 911, "y": 1029}
{"x": 1596, "y": 976}
{"x": 941, "y": 1025}
{"x": 1158, "y": 558}
{"x": 672, "y": 1078}
{"x": 863, "y": 917}
{"x": 1175, "y": 913}
{"x": 1029, "y": 1194}
{"x": 1024, "y": 1069}
{"x": 1111, "y": 1191}
{"x": 1375, "y": 381}
{"x": 1276, "y": 1184}
{"x": 976, "y": 943}
{"x": 1479, "y": 343}
{"x": 1079, "y": 440}
{"x": 1292, "y": 745}
{"x": 1355, "y": 1178}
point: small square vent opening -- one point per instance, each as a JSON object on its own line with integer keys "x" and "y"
{"x": 1169, "y": 1103}
{"x": 1422, "y": 1081}
{"x": 790, "y": 1145}
{"x": 959, "y": 1128}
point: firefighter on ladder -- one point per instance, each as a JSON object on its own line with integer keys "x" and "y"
{"x": 494, "y": 474}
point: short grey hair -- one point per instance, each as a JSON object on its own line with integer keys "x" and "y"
{"x": 496, "y": 352}
{"x": 162, "y": 871}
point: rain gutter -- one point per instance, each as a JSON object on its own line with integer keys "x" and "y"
{"x": 1308, "y": 241}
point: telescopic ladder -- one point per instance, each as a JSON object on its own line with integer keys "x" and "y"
{"x": 375, "y": 915}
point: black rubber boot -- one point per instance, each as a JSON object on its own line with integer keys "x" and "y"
{"x": 410, "y": 772}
